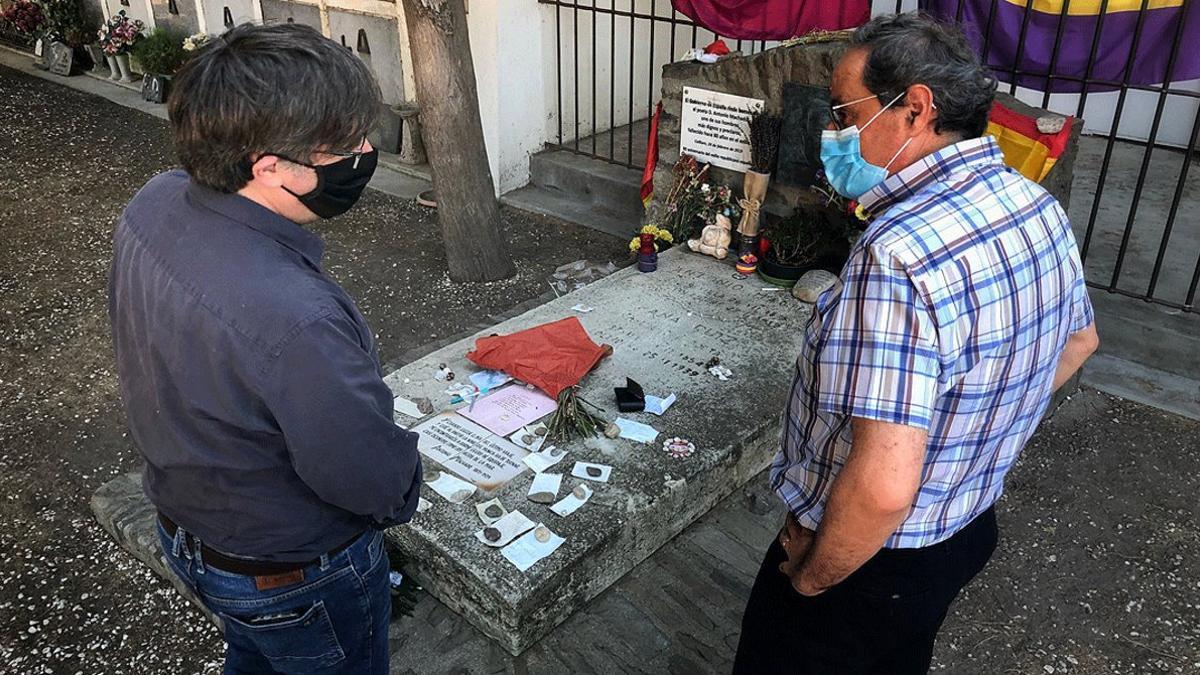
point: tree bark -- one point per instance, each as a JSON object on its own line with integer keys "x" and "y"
{"x": 468, "y": 212}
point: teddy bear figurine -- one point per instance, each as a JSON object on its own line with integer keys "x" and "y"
{"x": 714, "y": 239}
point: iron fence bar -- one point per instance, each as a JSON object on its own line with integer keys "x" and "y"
{"x": 632, "y": 54}
{"x": 958, "y": 11}
{"x": 558, "y": 65}
{"x": 594, "y": 69}
{"x": 674, "y": 25}
{"x": 650, "y": 70}
{"x": 612, "y": 85}
{"x": 575, "y": 52}
{"x": 1062, "y": 22}
{"x": 1162, "y": 247}
{"x": 1191, "y": 296}
{"x": 1012, "y": 88}
{"x": 1112, "y": 134}
{"x": 1087, "y": 73}
{"x": 987, "y": 34}
{"x": 1145, "y": 168}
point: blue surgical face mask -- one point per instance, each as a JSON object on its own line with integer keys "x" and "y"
{"x": 845, "y": 169}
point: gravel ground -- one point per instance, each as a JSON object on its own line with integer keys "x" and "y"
{"x": 1098, "y": 569}
{"x": 70, "y": 600}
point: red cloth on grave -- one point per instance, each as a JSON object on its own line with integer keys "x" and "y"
{"x": 551, "y": 357}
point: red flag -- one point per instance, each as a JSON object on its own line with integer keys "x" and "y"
{"x": 651, "y": 158}
{"x": 773, "y": 19}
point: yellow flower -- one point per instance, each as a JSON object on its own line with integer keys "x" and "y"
{"x": 666, "y": 236}
{"x": 635, "y": 244}
{"x": 860, "y": 212}
{"x": 650, "y": 229}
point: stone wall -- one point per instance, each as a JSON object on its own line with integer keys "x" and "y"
{"x": 763, "y": 76}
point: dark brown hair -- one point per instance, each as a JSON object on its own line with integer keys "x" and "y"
{"x": 282, "y": 88}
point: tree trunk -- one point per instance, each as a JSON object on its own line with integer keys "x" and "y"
{"x": 445, "y": 76}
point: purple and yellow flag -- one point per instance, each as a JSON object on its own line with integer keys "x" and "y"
{"x": 1168, "y": 28}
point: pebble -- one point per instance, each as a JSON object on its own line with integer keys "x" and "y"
{"x": 812, "y": 285}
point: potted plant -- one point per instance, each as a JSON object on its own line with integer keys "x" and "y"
{"x": 763, "y": 137}
{"x": 160, "y": 54}
{"x": 818, "y": 235}
{"x": 117, "y": 37}
{"x": 22, "y": 21}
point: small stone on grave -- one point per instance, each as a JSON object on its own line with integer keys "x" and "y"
{"x": 580, "y": 492}
{"x": 493, "y": 511}
{"x": 812, "y": 285}
{"x": 1051, "y": 124}
{"x": 460, "y": 496}
{"x": 491, "y": 534}
{"x": 594, "y": 472}
{"x": 541, "y": 497}
{"x": 542, "y": 534}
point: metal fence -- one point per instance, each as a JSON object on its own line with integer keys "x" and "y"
{"x": 611, "y": 53}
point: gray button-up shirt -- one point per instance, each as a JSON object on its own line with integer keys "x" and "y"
{"x": 251, "y": 381}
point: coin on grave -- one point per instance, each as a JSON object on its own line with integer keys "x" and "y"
{"x": 557, "y": 452}
{"x": 491, "y": 534}
{"x": 542, "y": 534}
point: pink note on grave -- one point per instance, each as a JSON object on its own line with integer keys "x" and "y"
{"x": 506, "y": 410}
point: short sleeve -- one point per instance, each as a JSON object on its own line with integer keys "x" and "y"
{"x": 1082, "y": 314}
{"x": 878, "y": 355}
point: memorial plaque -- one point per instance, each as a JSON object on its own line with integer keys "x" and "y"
{"x": 59, "y": 58}
{"x": 470, "y": 451}
{"x": 805, "y": 115}
{"x": 714, "y": 127}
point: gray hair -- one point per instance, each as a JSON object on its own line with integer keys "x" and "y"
{"x": 908, "y": 49}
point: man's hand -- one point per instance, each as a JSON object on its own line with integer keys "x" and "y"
{"x": 796, "y": 542}
{"x": 869, "y": 499}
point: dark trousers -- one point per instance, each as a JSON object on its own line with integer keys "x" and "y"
{"x": 883, "y": 618}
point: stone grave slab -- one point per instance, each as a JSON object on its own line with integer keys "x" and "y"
{"x": 664, "y": 327}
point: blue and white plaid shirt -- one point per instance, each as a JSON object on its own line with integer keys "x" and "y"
{"x": 950, "y": 315}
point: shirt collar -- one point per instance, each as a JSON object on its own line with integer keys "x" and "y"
{"x": 259, "y": 218}
{"x": 965, "y": 155}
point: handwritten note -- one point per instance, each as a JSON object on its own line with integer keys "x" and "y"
{"x": 509, "y": 409}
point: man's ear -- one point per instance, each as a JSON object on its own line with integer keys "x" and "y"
{"x": 267, "y": 171}
{"x": 920, "y": 108}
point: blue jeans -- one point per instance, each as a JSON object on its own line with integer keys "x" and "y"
{"x": 334, "y": 621}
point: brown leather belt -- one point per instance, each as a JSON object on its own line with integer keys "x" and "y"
{"x": 249, "y": 568}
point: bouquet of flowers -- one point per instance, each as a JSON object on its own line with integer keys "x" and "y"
{"x": 692, "y": 197}
{"x": 661, "y": 236}
{"x": 717, "y": 200}
{"x": 26, "y": 16}
{"x": 192, "y": 43}
{"x": 119, "y": 34}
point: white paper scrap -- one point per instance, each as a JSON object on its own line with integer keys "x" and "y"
{"x": 575, "y": 499}
{"x": 545, "y": 482}
{"x": 528, "y": 437}
{"x": 406, "y": 407}
{"x": 582, "y": 308}
{"x": 487, "y": 380}
{"x": 589, "y": 471}
{"x": 532, "y": 547}
{"x": 540, "y": 461}
{"x": 505, "y": 530}
{"x": 454, "y": 489}
{"x": 658, "y": 406}
{"x": 636, "y": 431}
{"x": 423, "y": 504}
{"x": 491, "y": 511}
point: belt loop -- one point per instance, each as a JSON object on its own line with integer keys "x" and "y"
{"x": 199, "y": 555}
{"x": 324, "y": 561}
{"x": 177, "y": 543}
{"x": 185, "y": 542}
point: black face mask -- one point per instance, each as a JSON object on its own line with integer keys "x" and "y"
{"x": 339, "y": 185}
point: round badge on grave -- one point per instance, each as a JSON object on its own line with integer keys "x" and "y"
{"x": 679, "y": 447}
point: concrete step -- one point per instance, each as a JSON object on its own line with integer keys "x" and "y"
{"x": 564, "y": 206}
{"x": 1154, "y": 336}
{"x": 606, "y": 187}
{"x": 1149, "y": 386}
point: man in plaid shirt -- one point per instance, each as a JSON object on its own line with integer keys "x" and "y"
{"x": 924, "y": 370}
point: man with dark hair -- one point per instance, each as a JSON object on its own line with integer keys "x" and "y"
{"x": 251, "y": 381}
{"x": 924, "y": 371}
